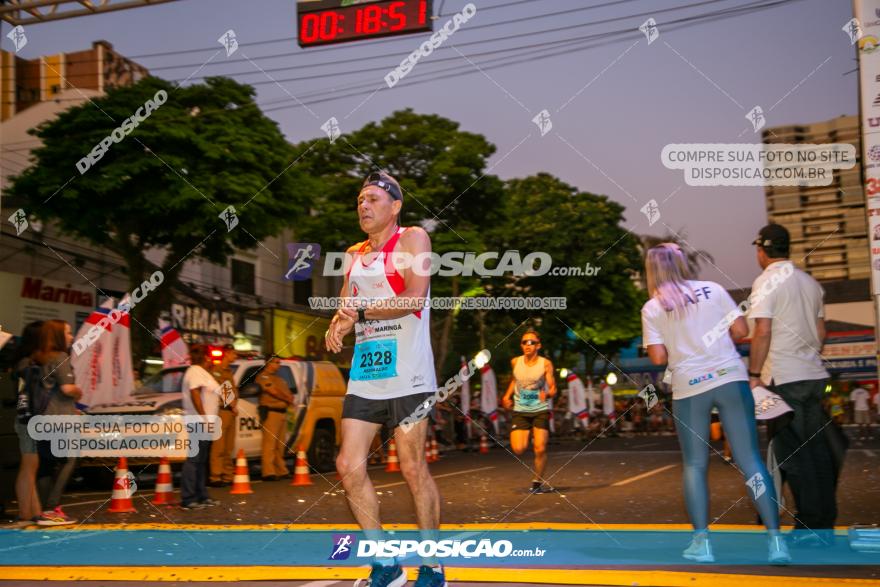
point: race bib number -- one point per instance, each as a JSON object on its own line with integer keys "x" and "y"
{"x": 529, "y": 396}
{"x": 376, "y": 359}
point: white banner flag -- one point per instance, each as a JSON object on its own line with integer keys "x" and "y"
{"x": 92, "y": 361}
{"x": 122, "y": 372}
{"x": 175, "y": 353}
{"x": 489, "y": 395}
{"x": 466, "y": 398}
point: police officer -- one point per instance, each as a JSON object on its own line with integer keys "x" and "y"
{"x": 222, "y": 469}
{"x": 274, "y": 401}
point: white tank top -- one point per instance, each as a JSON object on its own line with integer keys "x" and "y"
{"x": 392, "y": 358}
{"x": 530, "y": 381}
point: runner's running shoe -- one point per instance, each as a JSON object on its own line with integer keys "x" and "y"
{"x": 384, "y": 576}
{"x": 430, "y": 577}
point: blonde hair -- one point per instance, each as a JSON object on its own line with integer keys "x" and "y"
{"x": 667, "y": 272}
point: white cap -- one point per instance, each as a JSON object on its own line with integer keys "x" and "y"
{"x": 769, "y": 405}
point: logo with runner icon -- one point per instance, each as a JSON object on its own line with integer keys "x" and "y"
{"x": 302, "y": 257}
{"x": 342, "y": 546}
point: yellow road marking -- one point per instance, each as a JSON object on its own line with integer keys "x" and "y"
{"x": 484, "y": 575}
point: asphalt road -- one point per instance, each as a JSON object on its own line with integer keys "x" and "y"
{"x": 611, "y": 481}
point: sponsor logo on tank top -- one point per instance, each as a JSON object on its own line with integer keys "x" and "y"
{"x": 371, "y": 330}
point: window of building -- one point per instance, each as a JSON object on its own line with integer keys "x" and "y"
{"x": 243, "y": 276}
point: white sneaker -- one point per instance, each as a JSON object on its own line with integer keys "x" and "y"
{"x": 700, "y": 549}
{"x": 778, "y": 550}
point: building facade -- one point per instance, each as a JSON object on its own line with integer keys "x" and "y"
{"x": 27, "y": 82}
{"x": 828, "y": 228}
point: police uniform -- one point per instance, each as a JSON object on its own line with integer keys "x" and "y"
{"x": 274, "y": 423}
{"x": 222, "y": 469}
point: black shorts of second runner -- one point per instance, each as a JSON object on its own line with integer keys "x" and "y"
{"x": 529, "y": 420}
{"x": 391, "y": 412}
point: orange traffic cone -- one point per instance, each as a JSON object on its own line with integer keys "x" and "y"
{"x": 301, "y": 475}
{"x": 120, "y": 499}
{"x": 393, "y": 464}
{"x": 428, "y": 456}
{"x": 241, "y": 482}
{"x": 164, "y": 488}
{"x": 484, "y": 445}
{"x": 435, "y": 451}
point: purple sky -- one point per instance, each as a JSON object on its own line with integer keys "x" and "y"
{"x": 690, "y": 85}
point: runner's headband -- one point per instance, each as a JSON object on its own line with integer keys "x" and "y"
{"x": 381, "y": 181}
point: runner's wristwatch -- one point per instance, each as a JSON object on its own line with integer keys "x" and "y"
{"x": 754, "y": 375}
{"x": 362, "y": 316}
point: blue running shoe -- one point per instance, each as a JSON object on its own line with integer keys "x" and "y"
{"x": 384, "y": 576}
{"x": 428, "y": 577}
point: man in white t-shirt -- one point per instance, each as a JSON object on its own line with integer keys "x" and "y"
{"x": 789, "y": 329}
{"x": 861, "y": 410}
{"x": 200, "y": 398}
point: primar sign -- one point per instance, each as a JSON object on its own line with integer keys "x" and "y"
{"x": 197, "y": 319}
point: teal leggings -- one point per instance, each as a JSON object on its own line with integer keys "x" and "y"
{"x": 736, "y": 407}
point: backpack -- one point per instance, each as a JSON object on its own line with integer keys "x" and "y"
{"x": 33, "y": 395}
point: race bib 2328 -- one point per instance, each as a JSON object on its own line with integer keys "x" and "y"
{"x": 376, "y": 359}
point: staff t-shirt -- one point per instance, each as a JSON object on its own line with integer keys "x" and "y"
{"x": 793, "y": 300}
{"x": 695, "y": 366}
{"x": 194, "y": 377}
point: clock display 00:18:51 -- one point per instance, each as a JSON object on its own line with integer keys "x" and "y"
{"x": 353, "y": 22}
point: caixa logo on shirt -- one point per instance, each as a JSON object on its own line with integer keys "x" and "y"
{"x": 701, "y": 378}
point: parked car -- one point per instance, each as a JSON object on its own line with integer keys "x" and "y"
{"x": 313, "y": 422}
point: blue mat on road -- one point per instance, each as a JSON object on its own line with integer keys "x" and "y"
{"x": 465, "y": 548}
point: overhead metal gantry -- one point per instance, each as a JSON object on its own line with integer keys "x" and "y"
{"x": 26, "y": 12}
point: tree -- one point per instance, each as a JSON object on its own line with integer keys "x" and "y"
{"x": 163, "y": 187}
{"x": 577, "y": 229}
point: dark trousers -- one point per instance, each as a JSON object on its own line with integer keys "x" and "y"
{"x": 53, "y": 475}
{"x": 805, "y": 456}
{"x": 194, "y": 476}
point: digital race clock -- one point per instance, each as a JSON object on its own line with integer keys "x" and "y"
{"x": 323, "y": 22}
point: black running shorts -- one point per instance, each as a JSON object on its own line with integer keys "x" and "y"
{"x": 528, "y": 420}
{"x": 385, "y": 411}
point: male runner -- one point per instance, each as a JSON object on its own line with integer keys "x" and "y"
{"x": 392, "y": 370}
{"x": 531, "y": 386}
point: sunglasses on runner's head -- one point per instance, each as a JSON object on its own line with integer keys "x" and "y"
{"x": 530, "y": 342}
{"x": 377, "y": 179}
